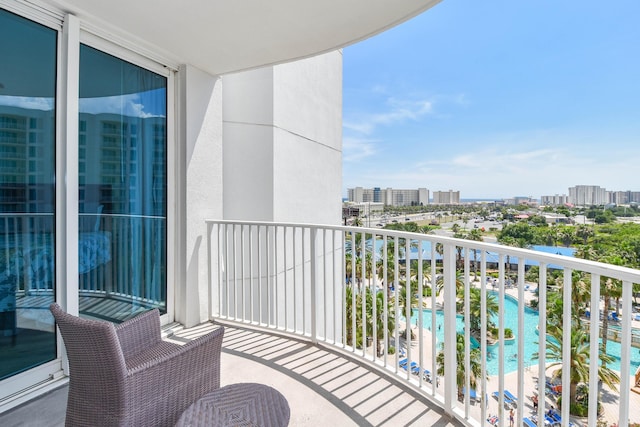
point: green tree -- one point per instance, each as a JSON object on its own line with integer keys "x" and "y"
{"x": 474, "y": 365}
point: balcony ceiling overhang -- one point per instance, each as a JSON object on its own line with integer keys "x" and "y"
{"x": 222, "y": 37}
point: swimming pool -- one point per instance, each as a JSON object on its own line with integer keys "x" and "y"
{"x": 511, "y": 348}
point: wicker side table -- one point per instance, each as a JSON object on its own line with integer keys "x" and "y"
{"x": 243, "y": 404}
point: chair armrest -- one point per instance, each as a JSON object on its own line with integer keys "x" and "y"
{"x": 139, "y": 333}
{"x": 175, "y": 380}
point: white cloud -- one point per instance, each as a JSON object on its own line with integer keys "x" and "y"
{"x": 356, "y": 149}
{"x": 31, "y": 103}
{"x": 398, "y": 112}
{"x": 127, "y": 105}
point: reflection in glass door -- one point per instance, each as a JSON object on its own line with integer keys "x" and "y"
{"x": 27, "y": 193}
{"x": 122, "y": 187}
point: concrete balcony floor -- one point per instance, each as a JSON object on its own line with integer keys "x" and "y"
{"x": 323, "y": 387}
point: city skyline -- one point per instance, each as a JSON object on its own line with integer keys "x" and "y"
{"x": 475, "y": 97}
{"x": 606, "y": 196}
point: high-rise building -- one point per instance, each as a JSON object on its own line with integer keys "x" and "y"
{"x": 555, "y": 200}
{"x": 389, "y": 196}
{"x": 446, "y": 197}
{"x": 587, "y": 195}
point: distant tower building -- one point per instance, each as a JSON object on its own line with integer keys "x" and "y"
{"x": 389, "y": 196}
{"x": 555, "y": 200}
{"x": 587, "y": 195}
{"x": 446, "y": 197}
{"x": 355, "y": 194}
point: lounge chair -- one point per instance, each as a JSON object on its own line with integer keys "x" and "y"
{"x": 473, "y": 397}
{"x": 507, "y": 400}
{"x": 555, "y": 417}
{"x": 528, "y": 423}
{"x": 614, "y": 317}
{"x": 511, "y": 397}
{"x": 493, "y": 420}
{"x": 550, "y": 421}
{"x": 554, "y": 389}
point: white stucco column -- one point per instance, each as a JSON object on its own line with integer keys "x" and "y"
{"x": 283, "y": 142}
{"x": 199, "y": 195}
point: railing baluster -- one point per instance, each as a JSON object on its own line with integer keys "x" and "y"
{"x": 408, "y": 296}
{"x": 434, "y": 338}
{"x": 542, "y": 341}
{"x": 594, "y": 327}
{"x": 521, "y": 368}
{"x": 450, "y": 353}
{"x": 325, "y": 285}
{"x": 501, "y": 355}
{"x": 313, "y": 249}
{"x": 483, "y": 334}
{"x": 625, "y": 353}
{"x": 385, "y": 299}
{"x": 251, "y": 275}
{"x": 566, "y": 341}
{"x": 467, "y": 335}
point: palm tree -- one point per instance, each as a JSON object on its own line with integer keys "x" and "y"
{"x": 567, "y": 236}
{"x": 475, "y": 309}
{"x": 414, "y": 301}
{"x": 580, "y": 293}
{"x": 459, "y": 284}
{"x": 584, "y": 232}
{"x": 579, "y": 359}
{"x": 353, "y": 316}
{"x": 474, "y": 364}
{"x": 476, "y": 236}
{"x": 355, "y": 244}
{"x": 383, "y": 319}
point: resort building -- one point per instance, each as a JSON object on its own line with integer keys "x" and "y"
{"x": 623, "y": 197}
{"x": 389, "y": 196}
{"x": 446, "y": 197}
{"x": 555, "y": 200}
{"x": 587, "y": 195}
{"x": 159, "y": 155}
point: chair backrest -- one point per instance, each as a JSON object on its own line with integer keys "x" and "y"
{"x": 97, "y": 367}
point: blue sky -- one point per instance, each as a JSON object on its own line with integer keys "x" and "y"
{"x": 497, "y": 98}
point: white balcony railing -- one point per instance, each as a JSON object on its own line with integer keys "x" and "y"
{"x": 319, "y": 282}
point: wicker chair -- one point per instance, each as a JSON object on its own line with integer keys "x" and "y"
{"x": 125, "y": 375}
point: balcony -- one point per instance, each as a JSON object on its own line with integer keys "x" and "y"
{"x": 318, "y": 283}
{"x": 291, "y": 299}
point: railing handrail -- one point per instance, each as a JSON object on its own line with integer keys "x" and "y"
{"x": 623, "y": 273}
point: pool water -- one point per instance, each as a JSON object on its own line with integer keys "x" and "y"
{"x": 511, "y": 347}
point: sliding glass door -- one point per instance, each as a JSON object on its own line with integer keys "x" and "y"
{"x": 27, "y": 193}
{"x": 122, "y": 192}
{"x": 122, "y": 187}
